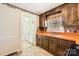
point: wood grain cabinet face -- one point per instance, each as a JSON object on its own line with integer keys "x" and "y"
{"x": 45, "y": 42}
{"x": 42, "y": 19}
{"x": 53, "y": 46}
{"x": 39, "y": 40}
{"x": 78, "y": 13}
{"x": 63, "y": 45}
{"x": 70, "y": 14}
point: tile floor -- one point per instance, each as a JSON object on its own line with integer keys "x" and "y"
{"x": 30, "y": 50}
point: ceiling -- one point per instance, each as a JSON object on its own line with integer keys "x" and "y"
{"x": 37, "y": 8}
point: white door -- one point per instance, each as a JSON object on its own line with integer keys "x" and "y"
{"x": 29, "y": 25}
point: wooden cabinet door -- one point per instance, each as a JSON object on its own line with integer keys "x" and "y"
{"x": 53, "y": 46}
{"x": 45, "y": 42}
{"x": 70, "y": 14}
{"x": 39, "y": 40}
{"x": 63, "y": 45}
{"x": 42, "y": 19}
{"x": 78, "y": 13}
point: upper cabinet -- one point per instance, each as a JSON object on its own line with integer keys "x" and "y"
{"x": 78, "y": 14}
{"x": 42, "y": 19}
{"x": 70, "y": 14}
{"x": 69, "y": 11}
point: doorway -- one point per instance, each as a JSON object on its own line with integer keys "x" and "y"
{"x": 29, "y": 24}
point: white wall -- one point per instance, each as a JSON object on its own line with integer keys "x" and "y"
{"x": 9, "y": 30}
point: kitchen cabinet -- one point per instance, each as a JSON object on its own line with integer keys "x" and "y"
{"x": 45, "y": 42}
{"x": 42, "y": 41}
{"x": 42, "y": 19}
{"x": 39, "y": 40}
{"x": 78, "y": 13}
{"x": 69, "y": 11}
{"x": 63, "y": 45}
{"x": 53, "y": 45}
{"x": 70, "y": 14}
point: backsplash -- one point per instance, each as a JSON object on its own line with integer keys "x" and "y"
{"x": 74, "y": 29}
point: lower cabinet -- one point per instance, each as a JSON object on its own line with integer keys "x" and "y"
{"x": 39, "y": 40}
{"x": 53, "y": 45}
{"x": 63, "y": 46}
{"x": 45, "y": 42}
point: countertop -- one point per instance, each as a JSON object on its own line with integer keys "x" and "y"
{"x": 62, "y": 35}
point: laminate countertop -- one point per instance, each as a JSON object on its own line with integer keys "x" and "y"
{"x": 62, "y": 35}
